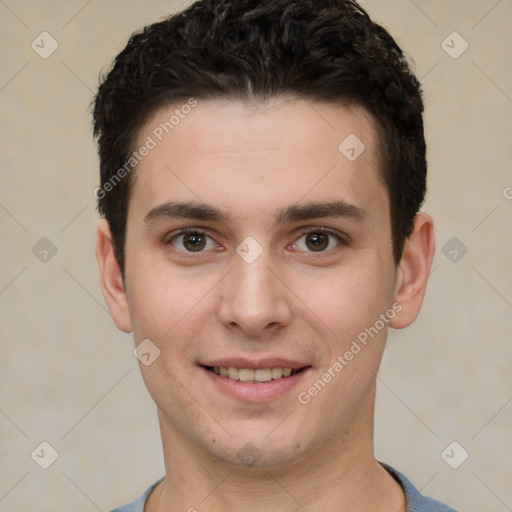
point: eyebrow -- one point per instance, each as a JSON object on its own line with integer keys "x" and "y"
{"x": 318, "y": 210}
{"x": 188, "y": 210}
{"x": 300, "y": 212}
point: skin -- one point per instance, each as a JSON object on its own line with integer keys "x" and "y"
{"x": 253, "y": 162}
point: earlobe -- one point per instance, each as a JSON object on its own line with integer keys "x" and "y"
{"x": 413, "y": 271}
{"x": 111, "y": 279}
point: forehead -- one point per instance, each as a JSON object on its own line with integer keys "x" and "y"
{"x": 258, "y": 156}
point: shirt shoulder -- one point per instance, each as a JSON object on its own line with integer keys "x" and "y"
{"x": 138, "y": 504}
{"x": 416, "y": 502}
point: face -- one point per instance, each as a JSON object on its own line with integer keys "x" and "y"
{"x": 258, "y": 255}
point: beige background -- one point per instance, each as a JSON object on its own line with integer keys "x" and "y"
{"x": 70, "y": 378}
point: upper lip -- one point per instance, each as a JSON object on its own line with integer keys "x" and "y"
{"x": 255, "y": 364}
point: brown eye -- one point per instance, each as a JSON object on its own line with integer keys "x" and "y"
{"x": 317, "y": 241}
{"x": 193, "y": 241}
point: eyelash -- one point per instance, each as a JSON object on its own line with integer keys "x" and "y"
{"x": 186, "y": 231}
{"x": 324, "y": 231}
{"x": 341, "y": 240}
{"x": 303, "y": 231}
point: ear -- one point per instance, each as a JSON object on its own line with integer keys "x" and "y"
{"x": 111, "y": 279}
{"x": 413, "y": 271}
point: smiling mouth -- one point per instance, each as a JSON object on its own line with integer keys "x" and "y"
{"x": 254, "y": 375}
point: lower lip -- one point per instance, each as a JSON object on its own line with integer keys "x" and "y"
{"x": 255, "y": 391}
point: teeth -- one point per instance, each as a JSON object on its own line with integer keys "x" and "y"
{"x": 233, "y": 373}
{"x": 244, "y": 375}
{"x": 277, "y": 373}
{"x": 263, "y": 375}
{"x": 249, "y": 375}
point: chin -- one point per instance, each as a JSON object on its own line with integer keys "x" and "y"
{"x": 258, "y": 451}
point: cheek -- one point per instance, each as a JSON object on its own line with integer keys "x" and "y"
{"x": 168, "y": 306}
{"x": 154, "y": 300}
{"x": 350, "y": 299}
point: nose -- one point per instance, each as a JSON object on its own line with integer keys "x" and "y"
{"x": 254, "y": 300}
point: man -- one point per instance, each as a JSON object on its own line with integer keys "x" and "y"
{"x": 262, "y": 169}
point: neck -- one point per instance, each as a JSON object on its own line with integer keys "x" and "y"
{"x": 340, "y": 475}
